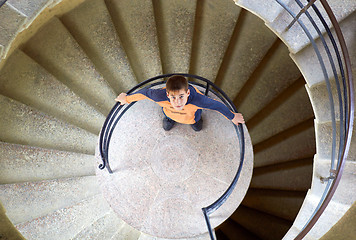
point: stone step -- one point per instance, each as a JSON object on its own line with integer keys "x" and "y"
{"x": 324, "y": 138}
{"x": 104, "y": 228}
{"x": 67, "y": 222}
{"x": 319, "y": 98}
{"x": 339, "y": 204}
{"x": 307, "y": 60}
{"x": 206, "y": 236}
{"x": 136, "y": 27}
{"x": 280, "y": 203}
{"x": 90, "y": 24}
{"x": 24, "y": 80}
{"x": 343, "y": 194}
{"x": 126, "y": 232}
{"x": 212, "y": 19}
{"x": 293, "y": 232}
{"x": 29, "y": 8}
{"x": 29, "y": 164}
{"x": 21, "y": 124}
{"x": 295, "y": 38}
{"x": 7, "y": 229}
{"x": 268, "y": 10}
{"x": 31, "y": 200}
{"x": 270, "y": 79}
{"x": 57, "y": 51}
{"x": 295, "y": 143}
{"x": 291, "y": 176}
{"x": 234, "y": 231}
{"x": 263, "y": 225}
{"x": 289, "y": 108}
{"x": 11, "y": 21}
{"x": 175, "y": 28}
{"x": 343, "y": 228}
{"x": 248, "y": 46}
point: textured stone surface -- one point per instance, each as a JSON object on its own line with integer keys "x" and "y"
{"x": 67, "y": 222}
{"x": 205, "y": 236}
{"x": 292, "y": 176}
{"x": 24, "y": 125}
{"x": 26, "y": 164}
{"x": 162, "y": 179}
{"x": 246, "y": 51}
{"x": 322, "y": 106}
{"x": 175, "y": 26}
{"x": 11, "y": 21}
{"x": 295, "y": 38}
{"x": 27, "y": 201}
{"x": 339, "y": 204}
{"x": 267, "y": 10}
{"x": 214, "y": 18}
{"x": 283, "y": 204}
{"x": 136, "y": 27}
{"x": 324, "y": 138}
{"x": 104, "y": 228}
{"x": 91, "y": 26}
{"x": 273, "y": 78}
{"x": 308, "y": 62}
{"x": 24, "y": 80}
{"x": 29, "y": 8}
{"x": 286, "y": 110}
{"x": 292, "y": 144}
{"x": 57, "y": 51}
{"x": 126, "y": 232}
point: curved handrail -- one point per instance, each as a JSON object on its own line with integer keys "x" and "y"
{"x": 345, "y": 98}
{"x": 113, "y": 118}
{"x": 2, "y": 3}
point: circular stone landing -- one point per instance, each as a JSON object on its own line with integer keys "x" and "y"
{"x": 162, "y": 180}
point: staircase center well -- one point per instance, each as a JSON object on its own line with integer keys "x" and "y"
{"x": 161, "y": 180}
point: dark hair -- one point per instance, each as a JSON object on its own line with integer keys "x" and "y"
{"x": 176, "y": 83}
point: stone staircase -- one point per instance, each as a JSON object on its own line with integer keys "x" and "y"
{"x": 63, "y": 63}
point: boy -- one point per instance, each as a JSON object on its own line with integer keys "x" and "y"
{"x": 181, "y": 103}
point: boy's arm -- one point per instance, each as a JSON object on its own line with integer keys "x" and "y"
{"x": 152, "y": 94}
{"x": 209, "y": 103}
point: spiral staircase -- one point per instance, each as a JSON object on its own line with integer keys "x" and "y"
{"x": 63, "y": 63}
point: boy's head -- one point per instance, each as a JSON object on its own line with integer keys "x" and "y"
{"x": 177, "y": 91}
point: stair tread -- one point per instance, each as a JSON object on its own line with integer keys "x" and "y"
{"x": 308, "y": 62}
{"x": 175, "y": 36}
{"x": 31, "y": 200}
{"x": 295, "y": 38}
{"x": 248, "y": 47}
{"x": 104, "y": 228}
{"x": 92, "y": 27}
{"x": 29, "y": 8}
{"x": 57, "y": 51}
{"x": 22, "y": 163}
{"x": 67, "y": 222}
{"x": 41, "y": 90}
{"x": 267, "y": 10}
{"x": 138, "y": 35}
{"x": 10, "y": 23}
{"x": 264, "y": 125}
{"x": 37, "y": 129}
{"x": 212, "y": 19}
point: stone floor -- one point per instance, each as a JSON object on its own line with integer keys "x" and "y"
{"x": 161, "y": 180}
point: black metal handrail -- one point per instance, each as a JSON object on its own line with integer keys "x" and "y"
{"x": 345, "y": 99}
{"x": 2, "y": 2}
{"x": 114, "y": 116}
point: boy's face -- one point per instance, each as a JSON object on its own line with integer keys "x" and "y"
{"x": 178, "y": 99}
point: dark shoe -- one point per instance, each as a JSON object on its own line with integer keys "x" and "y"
{"x": 168, "y": 123}
{"x": 198, "y": 125}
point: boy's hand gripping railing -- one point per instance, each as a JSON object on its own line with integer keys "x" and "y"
{"x": 113, "y": 118}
